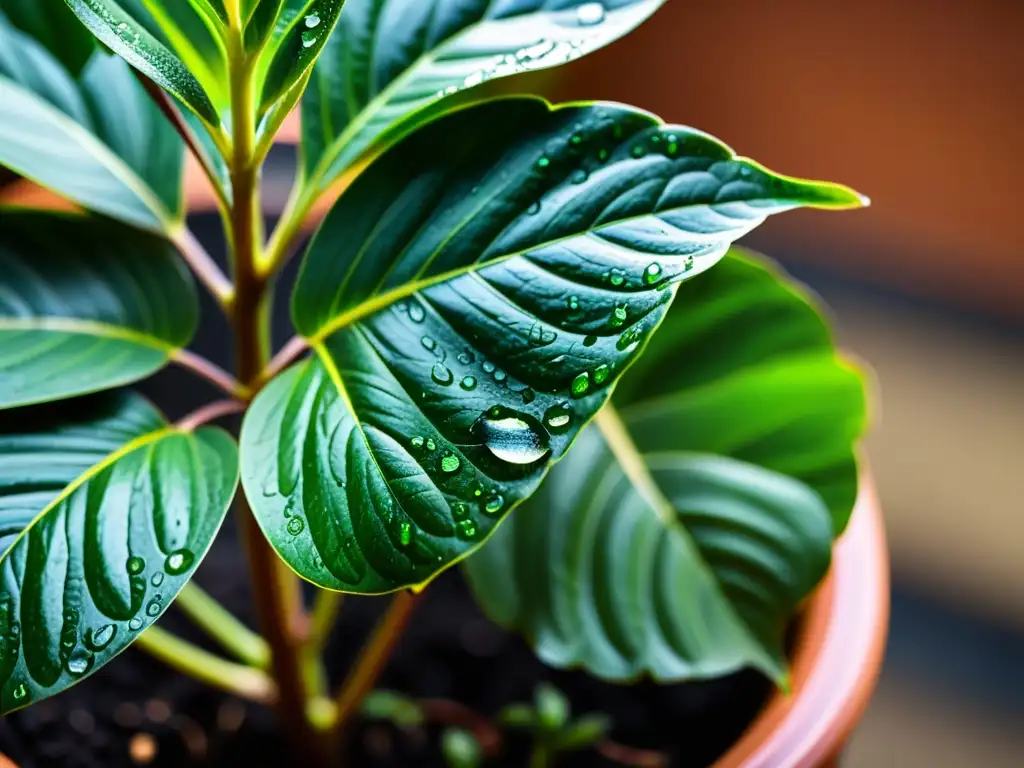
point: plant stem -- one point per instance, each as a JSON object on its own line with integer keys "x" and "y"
{"x": 206, "y": 667}
{"x": 274, "y": 588}
{"x": 285, "y": 357}
{"x": 212, "y": 372}
{"x": 374, "y": 657}
{"x": 204, "y": 267}
{"x": 209, "y": 413}
{"x": 223, "y": 626}
{"x": 325, "y": 612}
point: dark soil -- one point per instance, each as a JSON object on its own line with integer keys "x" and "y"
{"x": 136, "y": 711}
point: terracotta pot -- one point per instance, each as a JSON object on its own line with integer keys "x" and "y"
{"x": 837, "y": 657}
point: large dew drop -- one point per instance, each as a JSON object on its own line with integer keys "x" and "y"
{"x": 590, "y": 14}
{"x": 179, "y": 561}
{"x": 512, "y": 437}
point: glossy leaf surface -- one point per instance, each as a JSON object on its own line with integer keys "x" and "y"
{"x": 471, "y": 300}
{"x": 54, "y": 26}
{"x": 95, "y": 138}
{"x": 685, "y": 556}
{"x": 85, "y": 305}
{"x": 105, "y": 513}
{"x": 130, "y": 35}
{"x": 390, "y": 60}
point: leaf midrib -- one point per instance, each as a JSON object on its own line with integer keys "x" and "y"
{"x": 86, "y": 328}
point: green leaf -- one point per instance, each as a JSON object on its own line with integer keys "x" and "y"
{"x": 388, "y": 62}
{"x": 552, "y": 707}
{"x": 586, "y": 731}
{"x": 470, "y": 300}
{"x": 52, "y": 24}
{"x": 461, "y": 749}
{"x": 127, "y": 35}
{"x": 85, "y": 305}
{"x": 95, "y": 138}
{"x": 301, "y": 32}
{"x": 685, "y": 556}
{"x": 105, "y": 513}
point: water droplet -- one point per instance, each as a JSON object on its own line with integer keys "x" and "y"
{"x": 466, "y": 358}
{"x": 98, "y": 639}
{"x": 79, "y": 664}
{"x": 154, "y": 607}
{"x": 135, "y": 565}
{"x": 500, "y": 376}
{"x": 428, "y": 343}
{"x": 460, "y": 511}
{"x": 126, "y": 33}
{"x": 601, "y": 373}
{"x": 578, "y": 176}
{"x": 576, "y": 139}
{"x": 450, "y": 464}
{"x": 638, "y": 151}
{"x": 673, "y": 145}
{"x": 652, "y": 273}
{"x": 631, "y": 336}
{"x": 441, "y": 375}
{"x": 417, "y": 442}
{"x": 581, "y": 385}
{"x": 20, "y": 692}
{"x": 543, "y": 162}
{"x": 541, "y": 336}
{"x": 468, "y": 383}
{"x": 494, "y": 504}
{"x": 179, "y": 561}
{"x": 590, "y": 14}
{"x": 616, "y": 278}
{"x": 573, "y": 302}
{"x": 478, "y": 491}
{"x": 619, "y": 315}
{"x": 534, "y": 209}
{"x": 431, "y": 445}
{"x": 295, "y": 526}
{"x": 157, "y": 580}
{"x": 689, "y": 263}
{"x": 405, "y": 534}
{"x": 466, "y": 529}
{"x": 488, "y": 367}
{"x": 512, "y": 437}
{"x": 558, "y": 418}
{"x": 135, "y": 624}
{"x": 312, "y": 21}
{"x": 745, "y": 171}
{"x": 416, "y": 313}
{"x": 589, "y": 341}
{"x": 309, "y": 38}
{"x": 528, "y": 396}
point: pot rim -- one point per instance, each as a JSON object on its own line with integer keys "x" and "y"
{"x": 837, "y": 654}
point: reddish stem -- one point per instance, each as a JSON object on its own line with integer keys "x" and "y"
{"x": 209, "y": 413}
{"x": 212, "y": 372}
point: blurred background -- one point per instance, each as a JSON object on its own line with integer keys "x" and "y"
{"x": 919, "y": 104}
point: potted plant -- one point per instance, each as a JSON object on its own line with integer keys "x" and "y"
{"x": 490, "y": 271}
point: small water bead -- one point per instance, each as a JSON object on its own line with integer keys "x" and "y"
{"x": 630, "y": 337}
{"x": 573, "y": 302}
{"x": 541, "y": 336}
{"x": 450, "y": 464}
{"x": 431, "y": 445}
{"x": 179, "y": 561}
{"x": 590, "y": 14}
{"x": 534, "y": 209}
{"x": 20, "y": 692}
{"x": 494, "y": 504}
{"x": 558, "y": 418}
{"x": 126, "y": 33}
{"x": 579, "y": 176}
{"x": 312, "y": 21}
{"x": 602, "y": 155}
{"x": 673, "y": 145}
{"x": 428, "y": 343}
{"x": 575, "y": 139}
{"x": 468, "y": 383}
{"x": 135, "y": 624}
{"x": 528, "y": 396}
{"x": 79, "y": 664}
{"x": 416, "y": 313}
{"x": 460, "y": 511}
{"x": 99, "y": 638}
{"x": 295, "y": 526}
{"x": 417, "y": 442}
{"x": 638, "y": 151}
{"x": 580, "y": 385}
{"x": 619, "y": 316}
{"x": 154, "y": 607}
{"x": 500, "y": 376}
{"x": 652, "y": 273}
{"x": 616, "y": 278}
{"x": 488, "y": 366}
{"x": 135, "y": 565}
{"x": 512, "y": 437}
{"x": 601, "y": 373}
{"x": 157, "y": 579}
{"x": 589, "y": 341}
{"x": 466, "y": 529}
{"x": 466, "y": 358}
{"x": 309, "y": 38}
{"x": 441, "y": 375}
{"x": 543, "y": 162}
{"x": 405, "y": 534}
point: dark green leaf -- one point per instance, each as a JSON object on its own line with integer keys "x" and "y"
{"x": 460, "y": 749}
{"x": 128, "y": 36}
{"x": 585, "y": 732}
{"x": 389, "y": 61}
{"x": 105, "y": 513}
{"x": 85, "y": 305}
{"x": 95, "y": 138}
{"x": 471, "y": 300}
{"x": 302, "y": 34}
{"x": 744, "y": 422}
{"x": 552, "y": 707}
{"x": 393, "y": 707}
{"x": 52, "y": 24}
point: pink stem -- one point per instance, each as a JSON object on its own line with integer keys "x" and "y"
{"x": 211, "y": 372}
{"x": 285, "y": 357}
{"x": 204, "y": 266}
{"x": 210, "y": 412}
